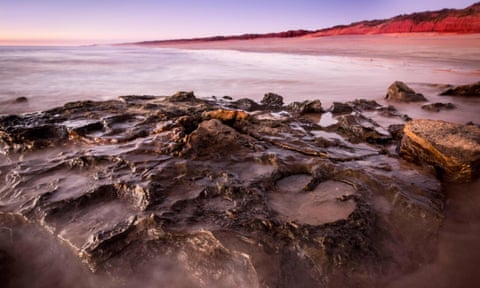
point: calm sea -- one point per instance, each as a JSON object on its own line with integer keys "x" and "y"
{"x": 50, "y": 76}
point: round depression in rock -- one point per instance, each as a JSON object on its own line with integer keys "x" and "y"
{"x": 324, "y": 204}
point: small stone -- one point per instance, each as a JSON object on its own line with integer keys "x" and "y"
{"x": 436, "y": 107}
{"x": 226, "y": 116}
{"x": 272, "y": 100}
{"x": 182, "y": 97}
{"x": 21, "y": 99}
{"x": 245, "y": 104}
{"x": 306, "y": 107}
{"x": 340, "y": 108}
{"x": 364, "y": 104}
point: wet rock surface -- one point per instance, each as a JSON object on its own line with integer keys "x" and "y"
{"x": 400, "y": 92}
{"x": 472, "y": 90}
{"x": 222, "y": 197}
{"x": 437, "y": 107}
{"x": 453, "y": 149}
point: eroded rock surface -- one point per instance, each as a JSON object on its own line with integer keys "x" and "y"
{"x": 228, "y": 198}
{"x": 453, "y": 148}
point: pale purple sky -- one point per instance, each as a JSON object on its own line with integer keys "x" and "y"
{"x": 107, "y": 21}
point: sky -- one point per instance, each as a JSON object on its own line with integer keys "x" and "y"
{"x": 44, "y": 22}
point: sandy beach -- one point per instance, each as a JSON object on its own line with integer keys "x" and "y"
{"x": 399, "y": 45}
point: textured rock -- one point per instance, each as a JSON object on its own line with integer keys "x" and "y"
{"x": 182, "y": 97}
{"x": 361, "y": 129}
{"x": 150, "y": 187}
{"x": 453, "y": 148}
{"x": 245, "y": 104}
{"x": 436, "y": 107}
{"x": 340, "y": 108}
{"x": 24, "y": 138}
{"x": 472, "y": 90}
{"x": 400, "y": 92}
{"x": 228, "y": 116}
{"x": 305, "y": 107}
{"x": 272, "y": 100}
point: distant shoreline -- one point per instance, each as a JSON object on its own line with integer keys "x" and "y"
{"x": 441, "y": 22}
{"x": 339, "y": 45}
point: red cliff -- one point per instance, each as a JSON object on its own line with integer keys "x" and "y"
{"x": 444, "y": 21}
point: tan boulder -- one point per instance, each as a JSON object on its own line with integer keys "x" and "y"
{"x": 454, "y": 149}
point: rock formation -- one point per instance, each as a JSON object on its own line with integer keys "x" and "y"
{"x": 472, "y": 90}
{"x": 228, "y": 198}
{"x": 443, "y": 21}
{"x": 400, "y": 92}
{"x": 453, "y": 149}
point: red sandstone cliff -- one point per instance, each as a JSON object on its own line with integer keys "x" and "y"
{"x": 444, "y": 21}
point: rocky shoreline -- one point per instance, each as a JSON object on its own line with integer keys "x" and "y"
{"x": 232, "y": 193}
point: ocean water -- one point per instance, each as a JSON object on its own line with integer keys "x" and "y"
{"x": 51, "y": 76}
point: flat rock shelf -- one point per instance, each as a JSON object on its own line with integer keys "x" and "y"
{"x": 263, "y": 196}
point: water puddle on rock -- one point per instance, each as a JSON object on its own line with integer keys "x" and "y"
{"x": 252, "y": 171}
{"x": 326, "y": 203}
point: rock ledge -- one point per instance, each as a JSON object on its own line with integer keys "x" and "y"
{"x": 453, "y": 148}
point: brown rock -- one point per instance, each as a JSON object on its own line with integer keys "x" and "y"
{"x": 245, "y": 104}
{"x": 213, "y": 139}
{"x": 182, "y": 97}
{"x": 226, "y": 115}
{"x": 305, "y": 107}
{"x": 454, "y": 149}
{"x": 436, "y": 107}
{"x": 340, "y": 108}
{"x": 21, "y": 99}
{"x": 472, "y": 90}
{"x": 400, "y": 92}
{"x": 272, "y": 100}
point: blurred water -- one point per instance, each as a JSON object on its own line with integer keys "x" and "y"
{"x": 50, "y": 76}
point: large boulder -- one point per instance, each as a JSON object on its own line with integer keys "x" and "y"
{"x": 472, "y": 90}
{"x": 400, "y": 92}
{"x": 454, "y": 149}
